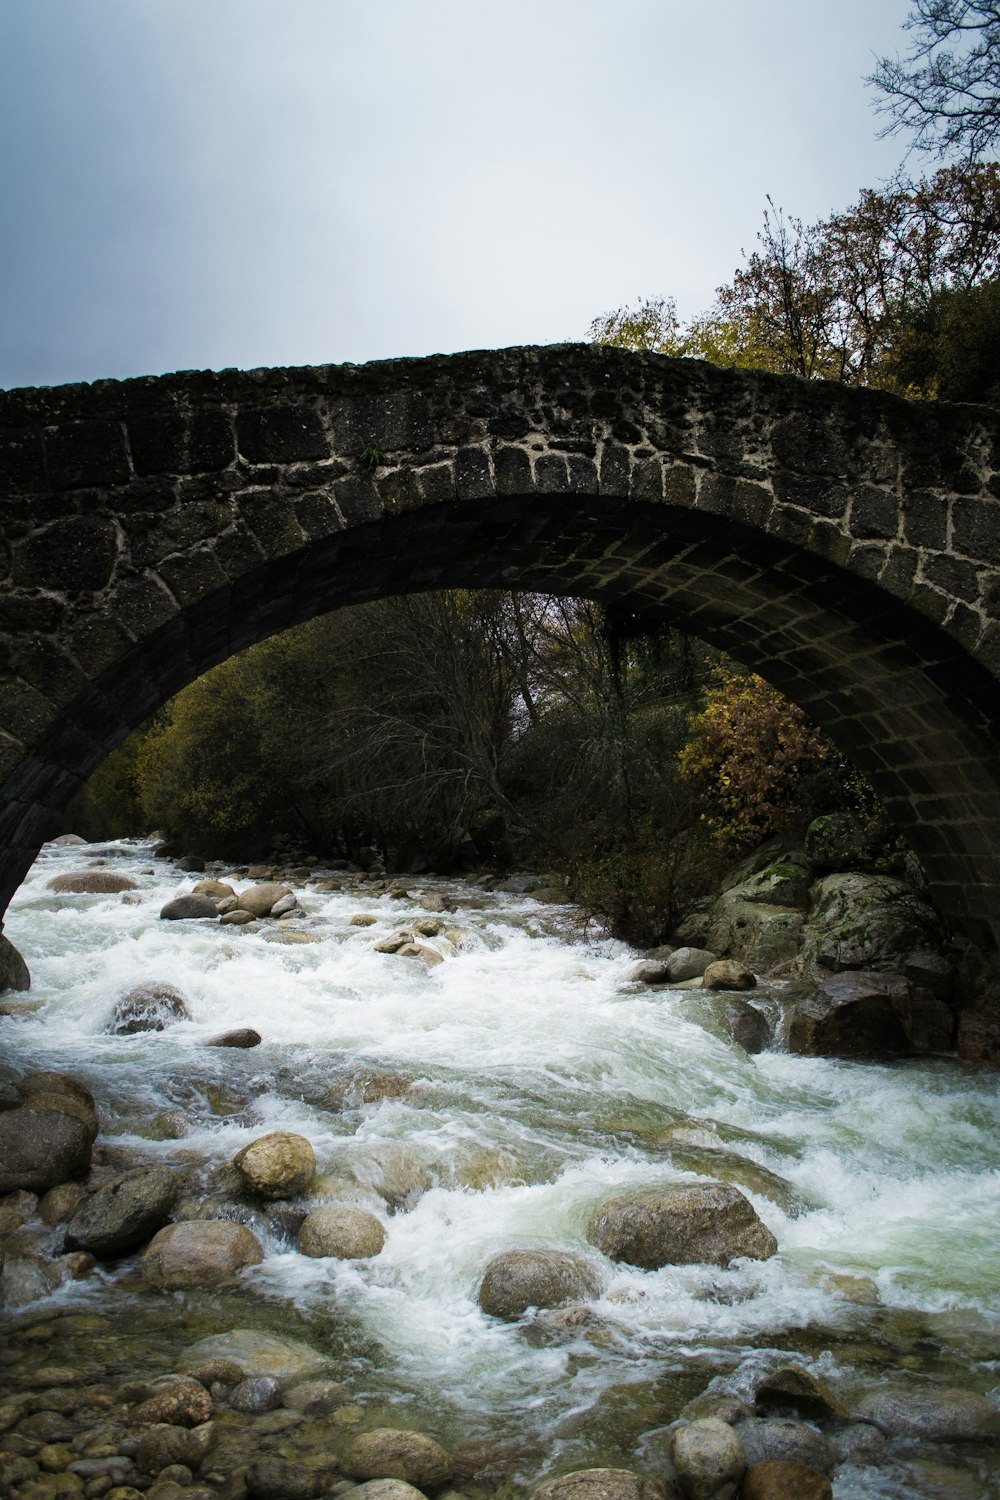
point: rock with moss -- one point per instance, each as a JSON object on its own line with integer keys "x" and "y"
{"x": 394, "y": 1453}
{"x": 341, "y": 1231}
{"x": 860, "y": 921}
{"x": 279, "y": 1165}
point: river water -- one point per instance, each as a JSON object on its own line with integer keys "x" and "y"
{"x": 542, "y": 1082}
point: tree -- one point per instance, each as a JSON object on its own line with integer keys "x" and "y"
{"x": 946, "y": 92}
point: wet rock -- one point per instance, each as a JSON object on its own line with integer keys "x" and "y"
{"x": 747, "y": 1026}
{"x": 316, "y": 1397}
{"x": 60, "y": 1091}
{"x": 689, "y": 963}
{"x": 293, "y": 938}
{"x": 219, "y": 890}
{"x": 278, "y": 1165}
{"x": 337, "y": 1230}
{"x": 211, "y": 1372}
{"x": 41, "y": 1146}
{"x": 386, "y": 1489}
{"x": 257, "y": 1353}
{"x": 69, "y": 840}
{"x": 243, "y": 1036}
{"x": 859, "y": 1444}
{"x": 13, "y": 969}
{"x": 91, "y": 883}
{"x": 779, "y": 1480}
{"x": 942, "y": 1416}
{"x": 189, "y": 909}
{"x": 728, "y": 974}
{"x": 781, "y": 1439}
{"x": 792, "y": 1390}
{"x": 392, "y": 1453}
{"x": 148, "y": 1007}
{"x": 235, "y": 918}
{"x": 164, "y": 1444}
{"x": 271, "y": 1477}
{"x": 728, "y": 1409}
{"x": 759, "y": 934}
{"x": 864, "y": 921}
{"x": 606, "y": 1484}
{"x": 182, "y": 1403}
{"x": 711, "y": 1222}
{"x": 256, "y": 1394}
{"x": 125, "y": 1213}
{"x": 25, "y": 1279}
{"x": 651, "y": 971}
{"x": 61, "y": 1203}
{"x": 430, "y": 957}
{"x": 709, "y": 1459}
{"x": 259, "y": 900}
{"x": 852, "y": 1015}
{"x": 284, "y": 905}
{"x": 76, "y": 1266}
{"x": 199, "y": 1253}
{"x": 362, "y": 919}
{"x": 518, "y": 1279}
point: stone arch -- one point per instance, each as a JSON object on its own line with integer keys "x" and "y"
{"x": 844, "y": 544}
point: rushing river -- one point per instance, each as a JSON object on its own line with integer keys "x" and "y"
{"x": 542, "y": 1083}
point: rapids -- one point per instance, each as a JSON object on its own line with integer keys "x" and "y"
{"x": 542, "y": 1082}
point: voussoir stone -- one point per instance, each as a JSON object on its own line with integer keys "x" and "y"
{"x": 189, "y": 908}
{"x": 515, "y": 1280}
{"x": 709, "y": 1459}
{"x": 705, "y": 1222}
{"x": 393, "y": 1453}
{"x": 341, "y": 1231}
{"x": 199, "y": 1253}
{"x": 937, "y": 1415}
{"x": 259, "y": 900}
{"x": 152, "y": 1006}
{"x": 605, "y": 1484}
{"x": 124, "y": 1213}
{"x": 279, "y": 1165}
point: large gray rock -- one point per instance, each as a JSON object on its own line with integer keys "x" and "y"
{"x": 728, "y": 974}
{"x": 60, "y": 1091}
{"x": 125, "y": 1213}
{"x": 279, "y": 1165}
{"x": 785, "y": 1441}
{"x": 243, "y": 1036}
{"x": 864, "y": 921}
{"x": 152, "y": 1006}
{"x": 606, "y": 1484}
{"x": 340, "y": 1231}
{"x": 515, "y": 1280}
{"x": 47, "y": 1140}
{"x": 392, "y": 1453}
{"x": 259, "y": 900}
{"x": 92, "y": 883}
{"x": 760, "y": 934}
{"x": 709, "y": 1459}
{"x": 257, "y": 1353}
{"x": 189, "y": 908}
{"x": 13, "y": 969}
{"x": 942, "y": 1416}
{"x": 199, "y": 1253}
{"x": 688, "y": 963}
{"x": 706, "y": 1222}
{"x": 747, "y": 1026}
{"x": 852, "y": 1015}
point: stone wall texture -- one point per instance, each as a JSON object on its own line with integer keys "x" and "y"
{"x": 845, "y": 544}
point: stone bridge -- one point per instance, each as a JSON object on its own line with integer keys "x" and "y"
{"x": 845, "y": 544}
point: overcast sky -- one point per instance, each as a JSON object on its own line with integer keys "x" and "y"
{"x": 194, "y": 184}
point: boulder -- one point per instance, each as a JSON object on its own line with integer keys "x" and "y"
{"x": 60, "y": 1091}
{"x": 235, "y": 918}
{"x": 256, "y": 1353}
{"x": 859, "y": 1444}
{"x": 689, "y": 963}
{"x": 760, "y": 934}
{"x": 852, "y": 1015}
{"x": 243, "y": 1036}
{"x": 343, "y": 1232}
{"x": 284, "y": 905}
{"x": 392, "y": 1453}
{"x": 199, "y": 1253}
{"x": 706, "y": 1222}
{"x": 781, "y": 882}
{"x": 91, "y": 883}
{"x": 219, "y": 890}
{"x": 650, "y": 971}
{"x": 864, "y": 922}
{"x": 942, "y": 1416}
{"x": 124, "y": 1214}
{"x": 271, "y": 1477}
{"x": 515, "y": 1280}
{"x": 775, "y": 1479}
{"x": 792, "y": 1390}
{"x": 42, "y": 1145}
{"x": 782, "y": 1440}
{"x": 748, "y": 1027}
{"x": 606, "y": 1484}
{"x": 70, "y": 840}
{"x": 257, "y": 1393}
{"x": 728, "y": 974}
{"x": 841, "y": 841}
{"x": 13, "y": 969}
{"x": 148, "y": 1007}
{"x": 164, "y": 1444}
{"x": 61, "y": 1203}
{"x": 709, "y": 1459}
{"x": 189, "y": 908}
{"x": 259, "y": 900}
{"x": 279, "y": 1165}
{"x": 317, "y": 1397}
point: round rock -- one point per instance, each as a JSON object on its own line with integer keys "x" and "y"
{"x": 148, "y": 1007}
{"x": 515, "y": 1280}
{"x": 256, "y": 1394}
{"x": 41, "y": 1147}
{"x": 709, "y": 1459}
{"x": 337, "y": 1230}
{"x": 728, "y": 974}
{"x": 91, "y": 883}
{"x": 189, "y": 908}
{"x": 708, "y": 1222}
{"x": 199, "y": 1253}
{"x": 938, "y": 1416}
{"x": 259, "y": 900}
{"x": 392, "y": 1453}
{"x": 279, "y": 1165}
{"x": 786, "y": 1441}
{"x": 124, "y": 1214}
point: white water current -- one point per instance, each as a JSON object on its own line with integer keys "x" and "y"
{"x": 542, "y": 1083}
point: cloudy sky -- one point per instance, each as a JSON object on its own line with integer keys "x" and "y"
{"x": 203, "y": 183}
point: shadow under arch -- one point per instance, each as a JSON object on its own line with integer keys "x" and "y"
{"x": 886, "y": 685}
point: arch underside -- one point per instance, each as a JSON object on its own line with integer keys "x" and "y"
{"x": 885, "y": 685}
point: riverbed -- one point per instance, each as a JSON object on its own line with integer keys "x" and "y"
{"x": 491, "y": 1101}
